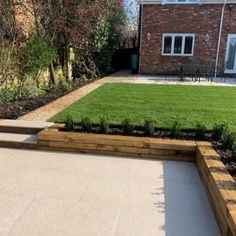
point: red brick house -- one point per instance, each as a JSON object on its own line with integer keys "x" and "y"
{"x": 178, "y": 32}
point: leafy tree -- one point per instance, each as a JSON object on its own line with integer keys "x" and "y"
{"x": 116, "y": 23}
{"x": 36, "y": 56}
{"x": 9, "y": 36}
{"x": 90, "y": 28}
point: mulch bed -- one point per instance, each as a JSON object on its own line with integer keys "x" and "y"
{"x": 18, "y": 108}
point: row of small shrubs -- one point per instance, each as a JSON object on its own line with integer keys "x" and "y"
{"x": 200, "y": 131}
{"x": 127, "y": 126}
{"x": 86, "y": 125}
{"x": 220, "y": 132}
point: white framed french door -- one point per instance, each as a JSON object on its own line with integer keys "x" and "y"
{"x": 230, "y": 59}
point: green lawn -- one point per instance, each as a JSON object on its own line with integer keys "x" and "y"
{"x": 163, "y": 103}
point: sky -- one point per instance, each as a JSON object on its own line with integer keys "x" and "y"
{"x": 131, "y": 8}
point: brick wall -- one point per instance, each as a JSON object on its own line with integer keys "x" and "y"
{"x": 199, "y": 19}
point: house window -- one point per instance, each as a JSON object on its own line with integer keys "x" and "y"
{"x": 178, "y": 44}
{"x": 180, "y": 1}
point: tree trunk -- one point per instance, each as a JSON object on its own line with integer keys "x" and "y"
{"x": 52, "y": 74}
{"x": 67, "y": 69}
{"x": 69, "y": 64}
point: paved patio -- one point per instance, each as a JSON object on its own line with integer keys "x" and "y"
{"x": 127, "y": 77}
{"x": 51, "y": 109}
{"x": 46, "y": 193}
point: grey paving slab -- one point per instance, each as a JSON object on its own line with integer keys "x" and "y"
{"x": 47, "y": 193}
{"x": 26, "y": 124}
{"x": 24, "y": 138}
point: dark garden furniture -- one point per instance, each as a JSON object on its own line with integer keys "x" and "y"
{"x": 197, "y": 72}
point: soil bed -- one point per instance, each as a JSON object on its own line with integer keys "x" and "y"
{"x": 18, "y": 108}
{"x": 226, "y": 158}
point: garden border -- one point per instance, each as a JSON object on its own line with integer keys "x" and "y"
{"x": 219, "y": 184}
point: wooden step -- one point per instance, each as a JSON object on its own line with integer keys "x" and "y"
{"x": 23, "y": 127}
{"x": 15, "y": 140}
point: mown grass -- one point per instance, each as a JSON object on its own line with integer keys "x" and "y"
{"x": 163, "y": 103}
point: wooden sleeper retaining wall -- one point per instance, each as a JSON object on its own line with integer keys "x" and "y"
{"x": 220, "y": 187}
{"x": 117, "y": 145}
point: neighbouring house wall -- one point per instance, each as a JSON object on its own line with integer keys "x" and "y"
{"x": 24, "y": 18}
{"x": 17, "y": 21}
{"x": 192, "y": 18}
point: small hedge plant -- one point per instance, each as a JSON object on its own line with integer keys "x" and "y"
{"x": 104, "y": 125}
{"x": 69, "y": 124}
{"x": 200, "y": 131}
{"x": 149, "y": 128}
{"x": 175, "y": 131}
{"x": 218, "y": 131}
{"x": 86, "y": 124}
{"x": 228, "y": 140}
{"x": 223, "y": 134}
{"x": 127, "y": 127}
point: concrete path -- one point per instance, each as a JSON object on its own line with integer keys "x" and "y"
{"x": 25, "y": 124}
{"x": 51, "y": 109}
{"x": 13, "y": 137}
{"x": 46, "y": 193}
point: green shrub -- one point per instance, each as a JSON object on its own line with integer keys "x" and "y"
{"x": 36, "y": 55}
{"x": 127, "y": 127}
{"x": 86, "y": 125}
{"x": 104, "y": 125}
{"x": 69, "y": 124}
{"x": 85, "y": 69}
{"x": 28, "y": 89}
{"x": 228, "y": 140}
{"x": 63, "y": 84}
{"x": 149, "y": 128}
{"x": 82, "y": 79}
{"x": 200, "y": 131}
{"x": 7, "y": 96}
{"x": 175, "y": 131}
{"x": 45, "y": 88}
{"x": 218, "y": 131}
{"x": 104, "y": 57}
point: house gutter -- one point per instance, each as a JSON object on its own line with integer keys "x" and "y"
{"x": 140, "y": 34}
{"x": 219, "y": 38}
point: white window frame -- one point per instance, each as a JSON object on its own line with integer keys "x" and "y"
{"x": 228, "y": 71}
{"x": 172, "y": 35}
{"x": 184, "y": 2}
